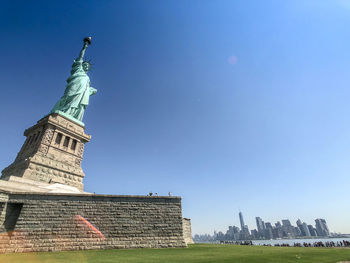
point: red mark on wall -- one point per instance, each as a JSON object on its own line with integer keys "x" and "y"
{"x": 84, "y": 222}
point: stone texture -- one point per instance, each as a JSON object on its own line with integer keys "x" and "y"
{"x": 187, "y": 230}
{"x": 48, "y": 222}
{"x": 51, "y": 153}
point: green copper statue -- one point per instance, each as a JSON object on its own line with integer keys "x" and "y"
{"x": 78, "y": 91}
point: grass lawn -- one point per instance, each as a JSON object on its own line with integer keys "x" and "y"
{"x": 195, "y": 253}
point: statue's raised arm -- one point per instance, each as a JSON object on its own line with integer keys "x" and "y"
{"x": 87, "y": 42}
{"x": 76, "y": 96}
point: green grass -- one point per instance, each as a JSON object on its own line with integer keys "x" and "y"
{"x": 195, "y": 253}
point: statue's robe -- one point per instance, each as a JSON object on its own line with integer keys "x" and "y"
{"x": 77, "y": 93}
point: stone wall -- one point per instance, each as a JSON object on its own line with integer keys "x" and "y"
{"x": 56, "y": 222}
{"x": 187, "y": 230}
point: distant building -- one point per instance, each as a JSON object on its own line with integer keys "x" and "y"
{"x": 312, "y": 231}
{"x": 286, "y": 223}
{"x": 268, "y": 233}
{"x": 254, "y": 234}
{"x": 220, "y": 236}
{"x": 268, "y": 225}
{"x": 297, "y": 231}
{"x": 244, "y": 235}
{"x": 246, "y": 229}
{"x": 305, "y": 230}
{"x": 261, "y": 227}
{"x": 321, "y": 227}
{"x": 232, "y": 233}
{"x": 237, "y": 236}
{"x": 241, "y": 220}
{"x": 277, "y": 232}
{"x": 287, "y": 229}
{"x": 299, "y": 222}
{"x": 260, "y": 224}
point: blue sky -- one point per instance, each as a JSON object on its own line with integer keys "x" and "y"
{"x": 229, "y": 104}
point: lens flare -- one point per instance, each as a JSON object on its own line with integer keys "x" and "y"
{"x": 232, "y": 60}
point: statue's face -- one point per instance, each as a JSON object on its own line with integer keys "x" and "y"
{"x": 86, "y": 66}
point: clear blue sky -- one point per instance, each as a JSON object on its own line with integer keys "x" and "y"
{"x": 229, "y": 104}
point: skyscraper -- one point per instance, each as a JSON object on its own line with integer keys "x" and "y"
{"x": 287, "y": 228}
{"x": 305, "y": 230}
{"x": 299, "y": 222}
{"x": 241, "y": 221}
{"x": 286, "y": 223}
{"x": 312, "y": 231}
{"x": 321, "y": 227}
{"x": 260, "y": 225}
{"x": 268, "y": 225}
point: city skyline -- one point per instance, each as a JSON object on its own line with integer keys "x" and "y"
{"x": 252, "y": 222}
{"x": 282, "y": 229}
{"x": 228, "y": 104}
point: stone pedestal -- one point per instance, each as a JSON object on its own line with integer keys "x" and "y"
{"x": 52, "y": 153}
{"x": 43, "y": 206}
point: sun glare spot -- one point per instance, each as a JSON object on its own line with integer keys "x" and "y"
{"x": 232, "y": 60}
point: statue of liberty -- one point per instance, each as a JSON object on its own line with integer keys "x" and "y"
{"x": 78, "y": 91}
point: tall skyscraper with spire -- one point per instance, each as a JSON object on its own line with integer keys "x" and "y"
{"x": 241, "y": 220}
